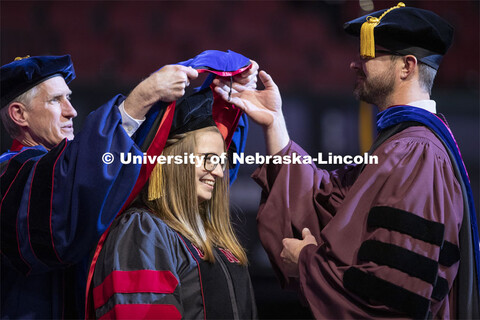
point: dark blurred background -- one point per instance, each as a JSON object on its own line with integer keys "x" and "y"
{"x": 115, "y": 44}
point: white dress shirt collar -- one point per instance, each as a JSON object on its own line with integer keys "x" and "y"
{"x": 428, "y": 105}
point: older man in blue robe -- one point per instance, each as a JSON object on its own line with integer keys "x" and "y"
{"x": 57, "y": 196}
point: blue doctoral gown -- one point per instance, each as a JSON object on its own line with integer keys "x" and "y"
{"x": 55, "y": 205}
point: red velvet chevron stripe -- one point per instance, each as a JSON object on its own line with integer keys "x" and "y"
{"x": 134, "y": 282}
{"x": 143, "y": 311}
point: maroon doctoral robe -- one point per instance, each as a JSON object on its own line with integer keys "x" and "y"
{"x": 387, "y": 233}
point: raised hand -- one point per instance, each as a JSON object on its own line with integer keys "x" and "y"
{"x": 167, "y": 84}
{"x": 262, "y": 106}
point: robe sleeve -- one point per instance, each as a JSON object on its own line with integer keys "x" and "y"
{"x": 138, "y": 272}
{"x": 295, "y": 196}
{"x": 56, "y": 205}
{"x": 394, "y": 252}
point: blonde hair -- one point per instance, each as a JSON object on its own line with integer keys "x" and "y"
{"x": 206, "y": 225}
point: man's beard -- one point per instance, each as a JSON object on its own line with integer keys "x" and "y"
{"x": 376, "y": 89}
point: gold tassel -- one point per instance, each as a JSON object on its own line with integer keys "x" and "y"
{"x": 21, "y": 58}
{"x": 367, "y": 41}
{"x": 155, "y": 183}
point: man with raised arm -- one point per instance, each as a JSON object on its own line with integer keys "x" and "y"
{"x": 397, "y": 239}
{"x": 57, "y": 196}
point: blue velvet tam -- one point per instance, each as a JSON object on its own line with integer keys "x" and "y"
{"x": 406, "y": 30}
{"x": 21, "y": 75}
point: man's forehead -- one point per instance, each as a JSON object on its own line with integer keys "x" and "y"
{"x": 55, "y": 85}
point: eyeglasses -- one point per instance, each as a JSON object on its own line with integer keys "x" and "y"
{"x": 211, "y": 160}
